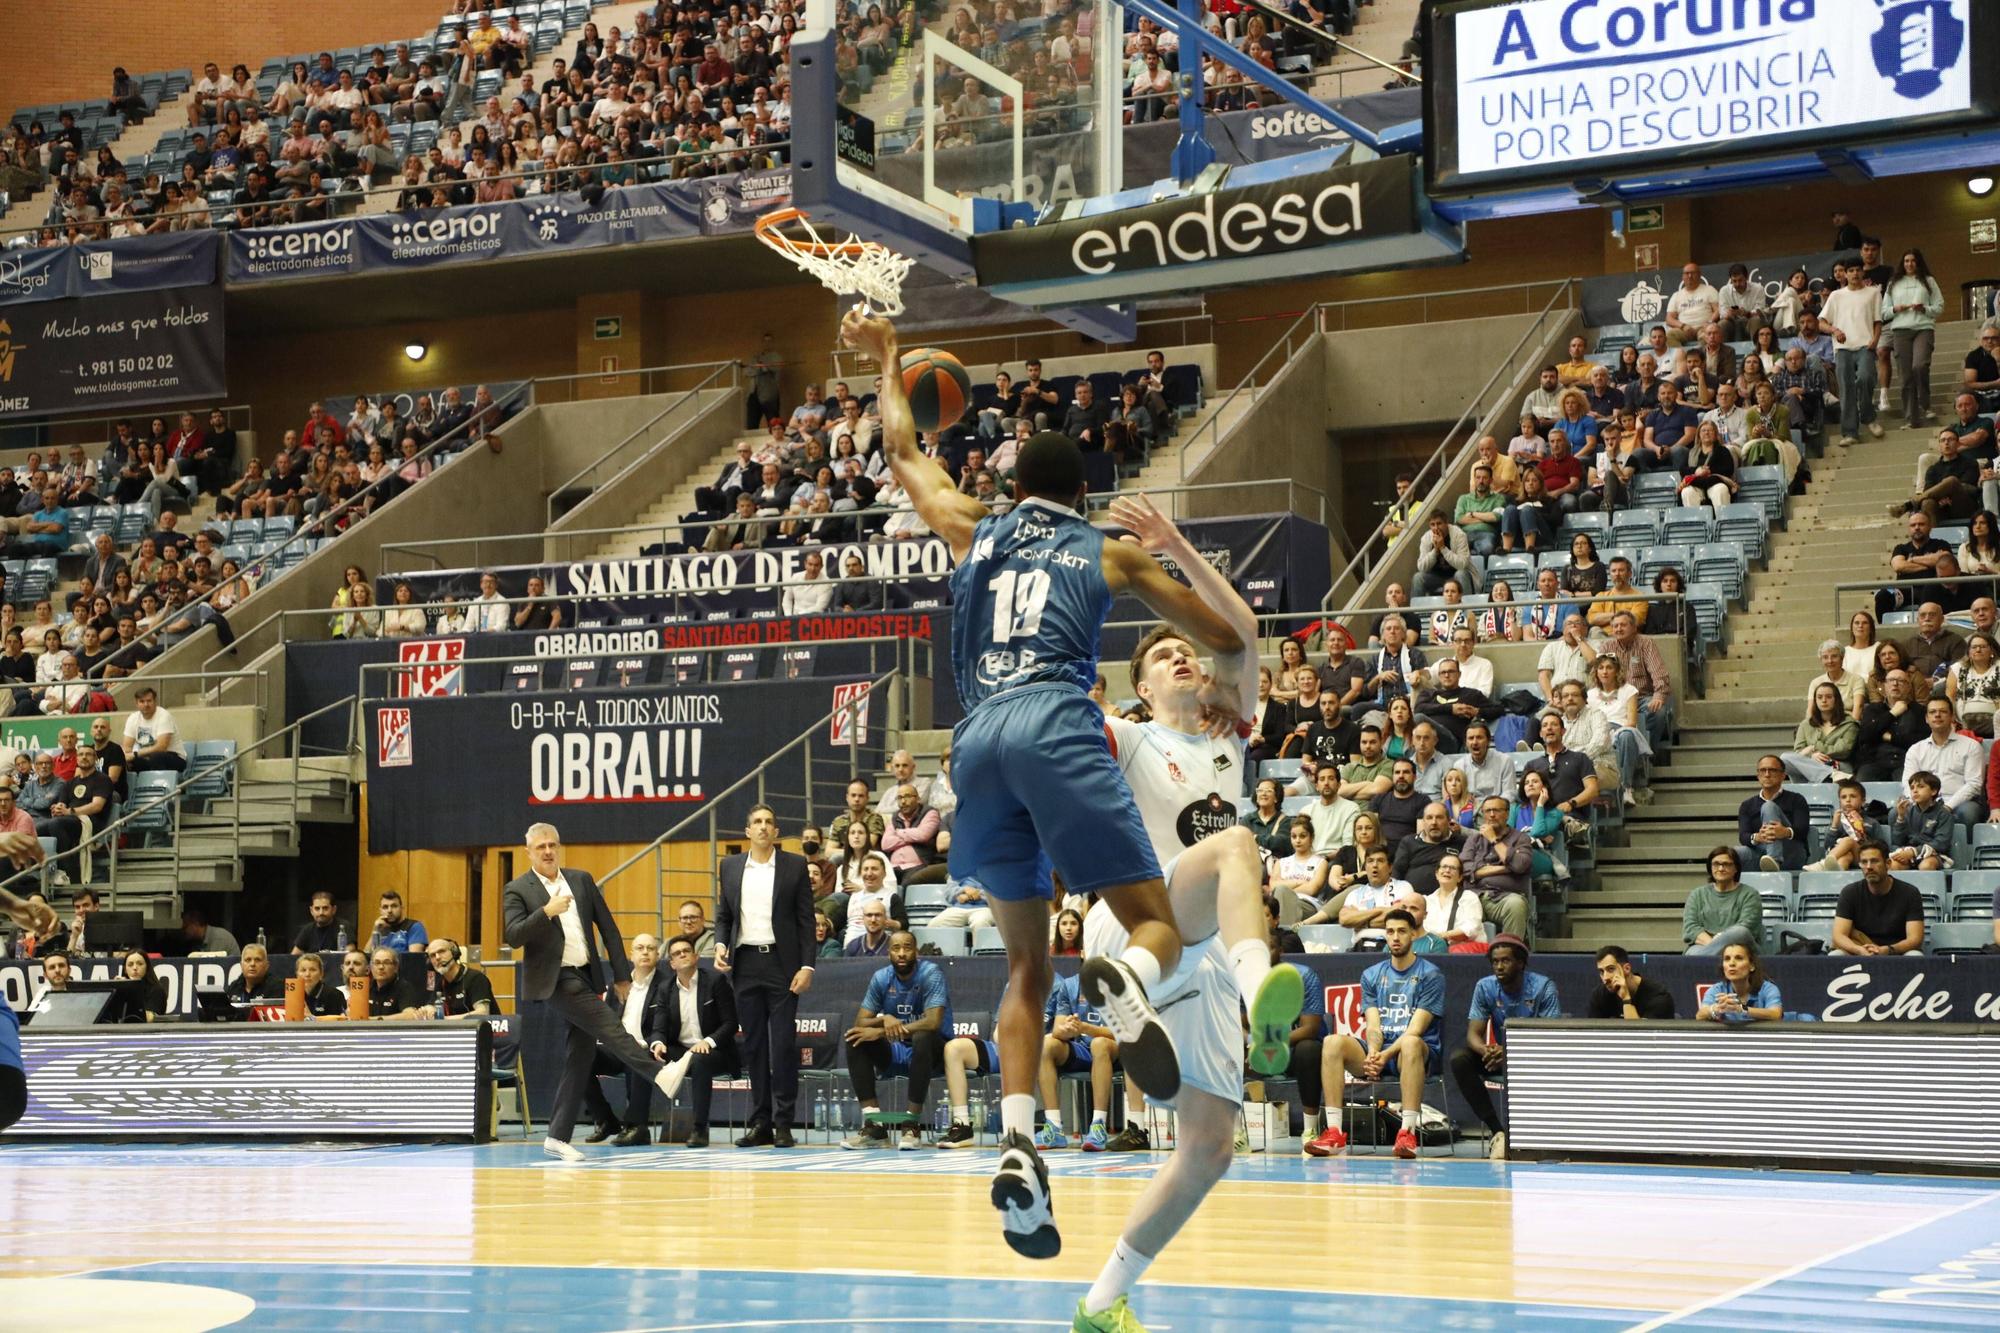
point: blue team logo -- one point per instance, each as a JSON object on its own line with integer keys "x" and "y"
{"x": 1916, "y": 43}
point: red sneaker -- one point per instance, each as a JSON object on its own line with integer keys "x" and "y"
{"x": 1331, "y": 1143}
{"x": 1406, "y": 1143}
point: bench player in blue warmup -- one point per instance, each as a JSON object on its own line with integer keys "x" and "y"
{"x": 38, "y": 917}
{"x": 1030, "y": 595}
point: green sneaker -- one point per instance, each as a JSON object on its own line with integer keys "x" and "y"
{"x": 1118, "y": 1319}
{"x": 1272, "y": 1013}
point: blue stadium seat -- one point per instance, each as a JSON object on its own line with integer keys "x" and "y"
{"x": 1986, "y": 846}
{"x": 1517, "y": 569}
{"x": 1775, "y": 888}
{"x": 986, "y": 940}
{"x": 1617, "y": 337}
{"x": 1720, "y": 564}
{"x": 149, "y": 815}
{"x": 950, "y": 941}
{"x": 208, "y": 777}
{"x": 1744, "y": 524}
{"x": 1657, "y": 558}
{"x": 1688, "y": 527}
{"x": 1282, "y": 769}
{"x": 1597, "y": 524}
{"x": 1764, "y": 486}
{"x": 1326, "y": 938}
{"x": 1656, "y": 489}
{"x": 1635, "y": 527}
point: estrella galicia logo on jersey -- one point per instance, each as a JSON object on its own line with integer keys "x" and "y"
{"x": 1204, "y": 818}
{"x": 1916, "y": 43}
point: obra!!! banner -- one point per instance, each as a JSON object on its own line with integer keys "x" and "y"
{"x": 519, "y": 228}
{"x": 602, "y": 766}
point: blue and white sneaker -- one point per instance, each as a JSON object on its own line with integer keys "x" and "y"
{"x": 1020, "y": 1194}
{"x": 1096, "y": 1138}
{"x": 1048, "y": 1136}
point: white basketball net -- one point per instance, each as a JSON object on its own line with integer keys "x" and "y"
{"x": 852, "y": 267}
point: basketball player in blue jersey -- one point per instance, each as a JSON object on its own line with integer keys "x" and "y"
{"x": 38, "y": 917}
{"x": 1038, "y": 785}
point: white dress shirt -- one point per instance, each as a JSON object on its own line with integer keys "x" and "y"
{"x": 575, "y": 953}
{"x": 760, "y": 887}
{"x": 1475, "y": 673}
{"x": 487, "y": 614}
{"x": 634, "y": 1017}
{"x": 1959, "y": 764}
{"x": 688, "y": 997}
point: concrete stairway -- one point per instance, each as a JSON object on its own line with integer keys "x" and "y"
{"x": 1755, "y": 694}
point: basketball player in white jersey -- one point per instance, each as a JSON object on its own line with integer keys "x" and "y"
{"x": 1185, "y": 768}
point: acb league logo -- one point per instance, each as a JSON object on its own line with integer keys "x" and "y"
{"x": 1917, "y": 42}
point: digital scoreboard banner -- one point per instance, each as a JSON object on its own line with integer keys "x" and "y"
{"x": 1558, "y": 91}
{"x": 257, "y": 1080}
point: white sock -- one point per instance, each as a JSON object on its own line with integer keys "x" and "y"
{"x": 1099, "y": 1117}
{"x": 1017, "y": 1114}
{"x": 1055, "y": 1120}
{"x": 1144, "y": 966}
{"x": 961, "y": 1115}
{"x": 1250, "y": 960}
{"x": 1412, "y": 1118}
{"x": 1313, "y": 1127}
{"x": 1122, "y": 1272}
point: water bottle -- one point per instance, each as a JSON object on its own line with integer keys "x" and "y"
{"x": 261, "y": 942}
{"x": 820, "y": 1111}
{"x": 440, "y": 1004}
{"x": 340, "y": 938}
{"x": 941, "y": 1118}
{"x": 977, "y": 1109}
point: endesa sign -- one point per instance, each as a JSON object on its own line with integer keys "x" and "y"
{"x": 1562, "y": 89}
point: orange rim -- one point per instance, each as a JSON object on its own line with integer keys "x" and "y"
{"x": 767, "y": 230}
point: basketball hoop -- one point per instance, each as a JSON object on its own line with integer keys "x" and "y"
{"x": 852, "y": 267}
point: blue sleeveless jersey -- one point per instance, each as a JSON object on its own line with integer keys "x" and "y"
{"x": 1028, "y": 603}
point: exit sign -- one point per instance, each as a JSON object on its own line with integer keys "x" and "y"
{"x": 1648, "y": 217}
{"x": 608, "y": 327}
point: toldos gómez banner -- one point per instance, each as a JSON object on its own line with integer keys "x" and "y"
{"x": 111, "y": 352}
{"x": 601, "y": 765}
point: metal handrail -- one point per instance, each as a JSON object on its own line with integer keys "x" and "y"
{"x": 239, "y": 416}
{"x": 1357, "y": 566}
{"x": 690, "y": 395}
{"x": 322, "y": 522}
{"x": 1213, "y": 426}
{"x": 1095, "y": 501}
{"x": 860, "y": 366}
{"x": 852, "y": 708}
{"x": 1889, "y": 580}
{"x": 171, "y": 799}
{"x": 112, "y": 685}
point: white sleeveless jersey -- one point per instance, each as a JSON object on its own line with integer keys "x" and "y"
{"x": 1184, "y": 786}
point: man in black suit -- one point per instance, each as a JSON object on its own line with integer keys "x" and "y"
{"x": 764, "y": 941}
{"x": 737, "y": 475}
{"x": 550, "y": 912}
{"x": 691, "y": 1023}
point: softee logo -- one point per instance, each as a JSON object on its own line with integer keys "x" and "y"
{"x": 1289, "y": 122}
{"x": 1592, "y": 27}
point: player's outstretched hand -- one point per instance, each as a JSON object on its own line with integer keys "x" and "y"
{"x": 872, "y": 335}
{"x": 1136, "y": 514}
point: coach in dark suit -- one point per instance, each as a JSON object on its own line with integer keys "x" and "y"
{"x": 550, "y": 914}
{"x": 691, "y": 1018}
{"x": 764, "y": 941}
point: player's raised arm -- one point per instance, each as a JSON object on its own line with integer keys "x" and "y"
{"x": 1235, "y": 676}
{"x": 949, "y": 513}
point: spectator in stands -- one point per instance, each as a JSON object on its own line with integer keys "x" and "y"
{"x": 1444, "y": 554}
{"x": 1981, "y": 377}
{"x": 46, "y": 529}
{"x": 1418, "y": 854}
{"x": 254, "y": 984}
{"x": 1823, "y": 746}
{"x": 857, "y": 811}
{"x": 1625, "y": 994}
{"x": 1397, "y": 663}
{"x": 403, "y": 619}
{"x": 1402, "y": 1002}
{"x": 1878, "y": 914}
{"x": 1544, "y": 401}
{"x": 1973, "y": 683}
{"x": 1849, "y": 828}
{"x": 1332, "y": 814}
{"x": 902, "y": 1025}
{"x": 1708, "y": 474}
{"x": 1722, "y": 912}
{"x": 1742, "y": 305}
{"x": 1300, "y": 873}
{"x": 1563, "y": 475}
{"x": 1854, "y": 319}
{"x": 1921, "y": 829}
{"x": 1568, "y": 658}
{"x": 914, "y": 839}
{"x": 1957, "y": 760}
{"x": 1571, "y": 777}
{"x": 873, "y": 941}
{"x": 1619, "y": 595}
{"x": 1479, "y": 512}
{"x": 1835, "y": 671}
{"x": 1533, "y": 518}
{"x": 391, "y": 995}
{"x": 692, "y": 920}
{"x": 1402, "y": 805}
{"x": 1912, "y": 302}
{"x": 489, "y": 612}
{"x": 395, "y": 930}
{"x": 536, "y": 614}
{"x": 1771, "y": 825}
{"x": 1645, "y": 671}
{"x": 1451, "y": 707}
{"x": 1498, "y": 864}
{"x": 152, "y": 739}
{"x": 1935, "y": 645}
{"x": 857, "y": 591}
{"x": 1370, "y": 773}
{"x": 1487, "y": 771}
{"x": 322, "y": 934}
{"x": 1951, "y": 488}
{"x": 1914, "y": 561}
{"x": 1510, "y": 992}
{"x": 1693, "y": 306}
{"x": 1745, "y": 994}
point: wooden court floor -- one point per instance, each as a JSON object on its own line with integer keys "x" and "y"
{"x": 415, "y": 1238}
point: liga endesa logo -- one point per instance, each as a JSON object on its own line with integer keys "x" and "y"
{"x": 1196, "y": 234}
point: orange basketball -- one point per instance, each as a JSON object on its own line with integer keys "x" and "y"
{"x": 937, "y": 386}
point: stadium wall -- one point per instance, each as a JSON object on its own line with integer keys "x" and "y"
{"x": 69, "y": 49}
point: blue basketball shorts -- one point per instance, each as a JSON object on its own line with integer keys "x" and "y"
{"x": 1037, "y": 787}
